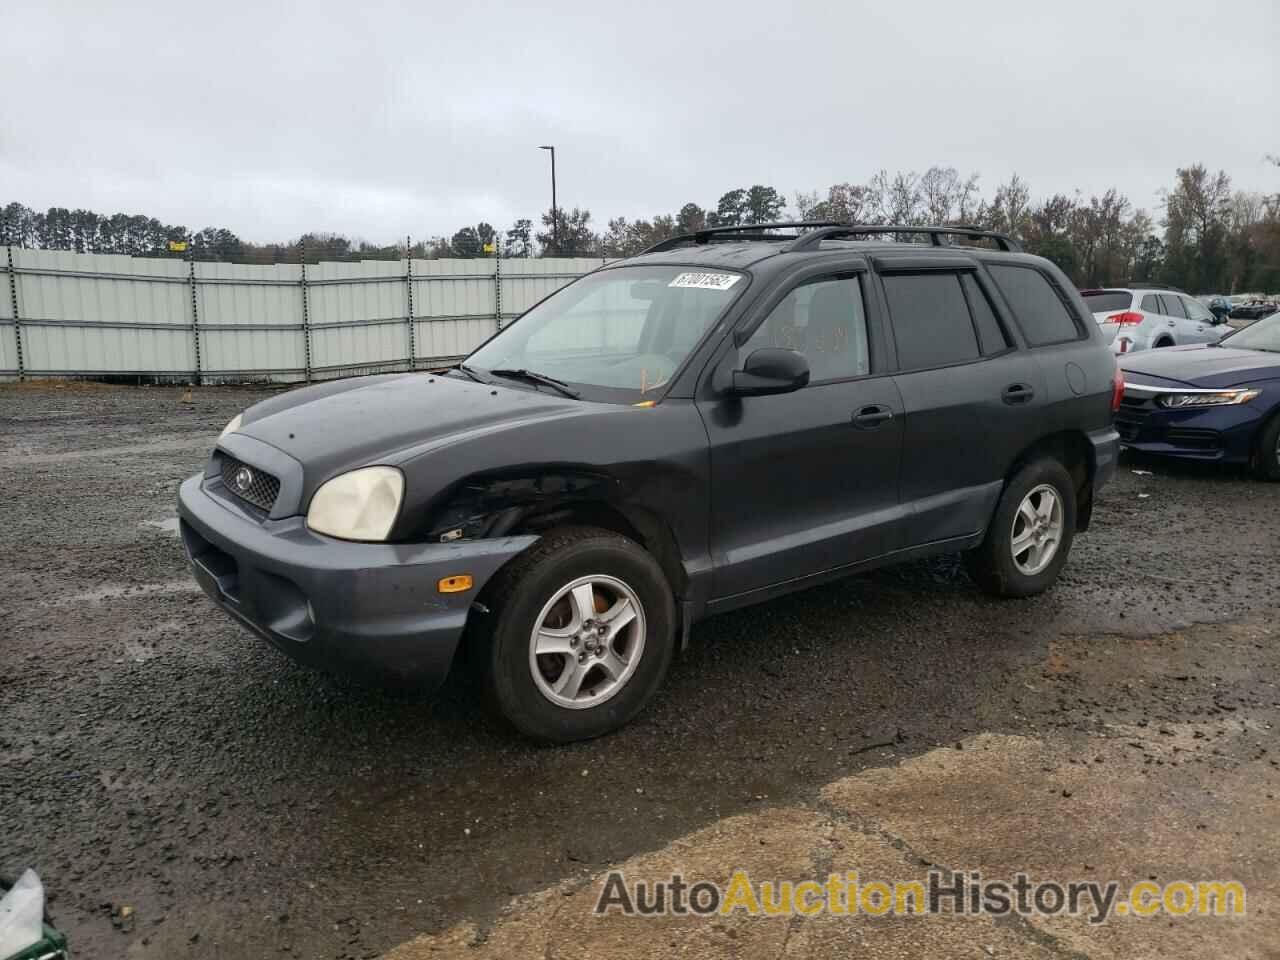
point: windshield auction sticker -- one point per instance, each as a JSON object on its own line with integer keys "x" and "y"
{"x": 706, "y": 281}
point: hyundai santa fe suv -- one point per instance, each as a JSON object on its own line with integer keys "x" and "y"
{"x": 725, "y": 418}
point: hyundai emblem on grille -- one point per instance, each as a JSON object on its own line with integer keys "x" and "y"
{"x": 243, "y": 479}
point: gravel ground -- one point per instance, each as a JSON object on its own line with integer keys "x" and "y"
{"x": 154, "y": 755}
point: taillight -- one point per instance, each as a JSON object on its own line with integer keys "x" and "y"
{"x": 1128, "y": 316}
{"x": 1117, "y": 389}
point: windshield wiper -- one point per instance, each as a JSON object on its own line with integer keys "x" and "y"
{"x": 533, "y": 376}
{"x": 466, "y": 371}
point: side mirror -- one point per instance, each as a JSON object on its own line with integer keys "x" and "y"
{"x": 771, "y": 370}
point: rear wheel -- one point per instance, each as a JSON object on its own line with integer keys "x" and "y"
{"x": 580, "y": 635}
{"x": 1030, "y": 534}
{"x": 1164, "y": 342}
{"x": 1267, "y": 462}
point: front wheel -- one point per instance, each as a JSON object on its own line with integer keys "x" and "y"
{"x": 581, "y": 635}
{"x": 1268, "y": 453}
{"x": 1030, "y": 534}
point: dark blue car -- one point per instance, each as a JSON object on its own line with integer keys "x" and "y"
{"x": 1219, "y": 401}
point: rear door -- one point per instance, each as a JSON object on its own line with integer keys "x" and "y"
{"x": 1175, "y": 319}
{"x": 971, "y": 396}
{"x": 807, "y": 481}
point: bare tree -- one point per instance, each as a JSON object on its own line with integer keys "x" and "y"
{"x": 946, "y": 197}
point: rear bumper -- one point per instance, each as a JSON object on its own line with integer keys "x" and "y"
{"x": 1106, "y": 455}
{"x": 353, "y": 608}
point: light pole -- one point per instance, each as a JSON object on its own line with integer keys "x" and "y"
{"x": 555, "y": 214}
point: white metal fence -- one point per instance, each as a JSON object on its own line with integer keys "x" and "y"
{"x": 77, "y": 314}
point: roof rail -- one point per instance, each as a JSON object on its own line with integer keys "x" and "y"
{"x": 836, "y": 231}
{"x": 755, "y": 231}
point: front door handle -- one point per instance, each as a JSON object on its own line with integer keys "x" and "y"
{"x": 1018, "y": 393}
{"x": 868, "y": 418}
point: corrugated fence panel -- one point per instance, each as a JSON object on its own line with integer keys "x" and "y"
{"x": 103, "y": 314}
{"x": 456, "y": 299}
{"x": 358, "y": 314}
{"x": 526, "y": 281}
{"x": 8, "y": 350}
{"x": 108, "y": 314}
{"x": 251, "y": 319}
{"x": 8, "y": 332}
{"x": 448, "y": 339}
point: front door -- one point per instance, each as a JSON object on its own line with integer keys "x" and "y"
{"x": 1204, "y": 329}
{"x": 806, "y": 481}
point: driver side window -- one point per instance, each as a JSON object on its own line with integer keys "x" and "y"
{"x": 825, "y": 321}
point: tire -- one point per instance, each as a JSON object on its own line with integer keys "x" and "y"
{"x": 1162, "y": 343}
{"x": 531, "y": 592}
{"x": 1267, "y": 461}
{"x": 993, "y": 565}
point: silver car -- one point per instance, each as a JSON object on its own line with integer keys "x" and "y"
{"x": 1140, "y": 318}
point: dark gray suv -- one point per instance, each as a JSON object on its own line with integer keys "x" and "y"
{"x": 726, "y": 418}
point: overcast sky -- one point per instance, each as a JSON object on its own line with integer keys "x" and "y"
{"x": 384, "y": 120}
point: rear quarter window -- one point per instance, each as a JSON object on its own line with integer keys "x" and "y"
{"x": 1040, "y": 312}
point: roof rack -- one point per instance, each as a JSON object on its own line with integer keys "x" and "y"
{"x": 754, "y": 231}
{"x": 820, "y": 230}
{"x": 837, "y": 231}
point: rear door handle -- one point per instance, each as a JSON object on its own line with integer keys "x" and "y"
{"x": 1018, "y": 393}
{"x": 868, "y": 418}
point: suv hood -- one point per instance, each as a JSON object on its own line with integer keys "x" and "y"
{"x": 333, "y": 427}
{"x": 1204, "y": 366}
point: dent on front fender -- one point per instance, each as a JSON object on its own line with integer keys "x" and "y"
{"x": 492, "y": 505}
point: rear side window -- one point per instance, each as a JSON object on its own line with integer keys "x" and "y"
{"x": 1043, "y": 316}
{"x": 1172, "y": 306}
{"x": 991, "y": 336}
{"x": 931, "y": 324}
{"x": 1108, "y": 301}
{"x": 1151, "y": 304}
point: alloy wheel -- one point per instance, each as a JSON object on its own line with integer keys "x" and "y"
{"x": 587, "y": 641}
{"x": 1037, "y": 530}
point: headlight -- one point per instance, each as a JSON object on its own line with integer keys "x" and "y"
{"x": 1216, "y": 398}
{"x": 233, "y": 426}
{"x": 360, "y": 505}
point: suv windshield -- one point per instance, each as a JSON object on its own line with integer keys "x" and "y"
{"x": 1262, "y": 334}
{"x": 624, "y": 332}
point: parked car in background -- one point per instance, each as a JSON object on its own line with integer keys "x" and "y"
{"x": 1218, "y": 402}
{"x": 1254, "y": 309}
{"x": 1142, "y": 318}
{"x": 723, "y": 419}
{"x": 1220, "y": 307}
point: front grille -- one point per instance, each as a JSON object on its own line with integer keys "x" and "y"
{"x": 250, "y": 484}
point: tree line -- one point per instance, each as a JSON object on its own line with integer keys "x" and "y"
{"x": 1205, "y": 237}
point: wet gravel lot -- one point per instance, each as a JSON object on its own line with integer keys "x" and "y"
{"x": 154, "y": 755}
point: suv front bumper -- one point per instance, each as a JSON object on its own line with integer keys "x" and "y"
{"x": 369, "y": 609}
